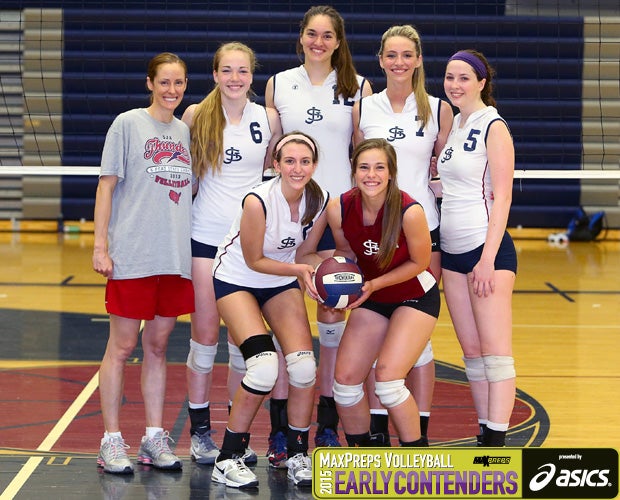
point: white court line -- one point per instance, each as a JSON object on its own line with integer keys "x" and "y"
{"x": 33, "y": 462}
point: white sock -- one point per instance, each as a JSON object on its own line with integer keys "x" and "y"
{"x": 494, "y": 426}
{"x": 110, "y": 435}
{"x": 152, "y": 431}
{"x": 197, "y": 406}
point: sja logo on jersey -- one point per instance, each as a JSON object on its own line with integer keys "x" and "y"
{"x": 447, "y": 155}
{"x": 396, "y": 133}
{"x": 570, "y": 473}
{"x": 371, "y": 247}
{"x": 286, "y": 243}
{"x": 231, "y": 155}
{"x": 314, "y": 115}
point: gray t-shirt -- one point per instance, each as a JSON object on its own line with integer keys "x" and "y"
{"x": 150, "y": 224}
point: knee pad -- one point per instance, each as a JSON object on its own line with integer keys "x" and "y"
{"x": 348, "y": 395}
{"x": 474, "y": 369}
{"x": 330, "y": 333}
{"x": 201, "y": 357}
{"x": 426, "y": 356}
{"x": 261, "y": 363}
{"x": 392, "y": 393}
{"x": 301, "y": 368}
{"x": 499, "y": 368}
{"x": 235, "y": 359}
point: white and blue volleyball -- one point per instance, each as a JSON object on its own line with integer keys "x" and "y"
{"x": 338, "y": 281}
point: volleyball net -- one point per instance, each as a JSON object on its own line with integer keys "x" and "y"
{"x": 68, "y": 68}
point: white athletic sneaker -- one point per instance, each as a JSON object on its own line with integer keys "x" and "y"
{"x": 113, "y": 457}
{"x": 203, "y": 449}
{"x": 234, "y": 473}
{"x": 300, "y": 469}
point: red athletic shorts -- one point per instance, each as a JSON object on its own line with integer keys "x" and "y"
{"x": 144, "y": 298}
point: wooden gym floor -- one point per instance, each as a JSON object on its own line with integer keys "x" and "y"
{"x": 54, "y": 328}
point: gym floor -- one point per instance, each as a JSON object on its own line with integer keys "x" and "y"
{"x": 54, "y": 330}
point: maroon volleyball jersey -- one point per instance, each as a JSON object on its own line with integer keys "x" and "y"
{"x": 365, "y": 241}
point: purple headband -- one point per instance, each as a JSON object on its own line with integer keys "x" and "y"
{"x": 472, "y": 60}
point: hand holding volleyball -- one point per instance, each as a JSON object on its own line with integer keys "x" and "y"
{"x": 338, "y": 282}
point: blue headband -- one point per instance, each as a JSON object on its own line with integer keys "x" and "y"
{"x": 472, "y": 60}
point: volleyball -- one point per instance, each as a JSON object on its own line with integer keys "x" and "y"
{"x": 338, "y": 281}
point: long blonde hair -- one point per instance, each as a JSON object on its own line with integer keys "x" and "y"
{"x": 391, "y": 224}
{"x": 418, "y": 80}
{"x": 207, "y": 131}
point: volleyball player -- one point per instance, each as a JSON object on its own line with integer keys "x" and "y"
{"x": 317, "y": 98}
{"x": 478, "y": 258}
{"x": 385, "y": 231}
{"x": 269, "y": 250}
{"x": 417, "y": 125}
{"x": 230, "y": 140}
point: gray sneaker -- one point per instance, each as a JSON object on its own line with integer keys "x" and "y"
{"x": 156, "y": 452}
{"x": 234, "y": 473}
{"x": 203, "y": 449}
{"x": 300, "y": 469}
{"x": 113, "y": 457}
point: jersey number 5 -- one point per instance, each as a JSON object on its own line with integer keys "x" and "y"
{"x": 471, "y": 141}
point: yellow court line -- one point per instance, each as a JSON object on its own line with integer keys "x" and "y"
{"x": 61, "y": 426}
{"x": 33, "y": 462}
{"x": 24, "y": 364}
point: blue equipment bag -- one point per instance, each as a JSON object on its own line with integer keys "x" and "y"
{"x": 584, "y": 227}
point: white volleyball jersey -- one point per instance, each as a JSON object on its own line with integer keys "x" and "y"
{"x": 282, "y": 237}
{"x": 326, "y": 117}
{"x": 220, "y": 193}
{"x": 413, "y": 144}
{"x": 466, "y": 182}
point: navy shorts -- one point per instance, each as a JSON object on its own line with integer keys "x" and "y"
{"x": 327, "y": 241}
{"x": 429, "y": 303}
{"x": 435, "y": 245}
{"x": 203, "y": 250}
{"x": 464, "y": 263}
{"x": 262, "y": 295}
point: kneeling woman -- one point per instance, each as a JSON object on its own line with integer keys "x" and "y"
{"x": 385, "y": 230}
{"x": 270, "y": 248}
